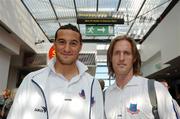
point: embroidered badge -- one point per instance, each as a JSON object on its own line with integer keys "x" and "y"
{"x": 92, "y": 101}
{"x": 133, "y": 109}
{"x": 82, "y": 94}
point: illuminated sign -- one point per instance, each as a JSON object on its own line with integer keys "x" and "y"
{"x": 100, "y": 30}
{"x": 100, "y": 18}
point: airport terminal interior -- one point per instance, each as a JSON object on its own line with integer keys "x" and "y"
{"x": 27, "y": 29}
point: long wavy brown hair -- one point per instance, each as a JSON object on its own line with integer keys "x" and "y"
{"x": 135, "y": 53}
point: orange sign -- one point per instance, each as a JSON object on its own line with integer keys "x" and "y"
{"x": 52, "y": 52}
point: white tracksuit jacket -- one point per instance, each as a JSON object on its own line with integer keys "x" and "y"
{"x": 31, "y": 100}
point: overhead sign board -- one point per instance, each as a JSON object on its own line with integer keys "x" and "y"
{"x": 100, "y": 18}
{"x": 99, "y": 30}
{"x": 100, "y": 21}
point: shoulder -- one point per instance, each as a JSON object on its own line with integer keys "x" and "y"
{"x": 38, "y": 72}
{"x": 88, "y": 77}
{"x": 27, "y": 79}
{"x": 160, "y": 87}
{"x": 141, "y": 78}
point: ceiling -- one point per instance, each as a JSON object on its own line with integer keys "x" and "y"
{"x": 136, "y": 18}
{"x": 139, "y": 16}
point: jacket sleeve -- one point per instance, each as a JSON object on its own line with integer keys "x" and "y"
{"x": 97, "y": 107}
{"x": 20, "y": 100}
{"x": 164, "y": 100}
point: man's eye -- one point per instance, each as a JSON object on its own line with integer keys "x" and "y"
{"x": 73, "y": 43}
{"x": 127, "y": 53}
{"x": 116, "y": 53}
{"x": 60, "y": 42}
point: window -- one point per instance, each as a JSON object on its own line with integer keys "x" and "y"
{"x": 102, "y": 73}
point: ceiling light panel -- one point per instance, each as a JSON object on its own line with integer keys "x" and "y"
{"x": 86, "y": 5}
{"x": 101, "y": 37}
{"x": 152, "y": 9}
{"x": 67, "y": 20}
{"x": 130, "y": 8}
{"x": 121, "y": 29}
{"x": 40, "y": 9}
{"x": 64, "y": 8}
{"x": 49, "y": 29}
{"x": 88, "y": 37}
{"x": 108, "y": 5}
{"x": 82, "y": 28}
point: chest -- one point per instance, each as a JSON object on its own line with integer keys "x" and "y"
{"x": 66, "y": 99}
{"x": 130, "y": 102}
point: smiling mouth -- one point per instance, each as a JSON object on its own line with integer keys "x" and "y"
{"x": 67, "y": 55}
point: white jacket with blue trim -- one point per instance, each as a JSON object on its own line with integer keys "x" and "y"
{"x": 31, "y": 103}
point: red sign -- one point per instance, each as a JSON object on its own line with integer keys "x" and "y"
{"x": 52, "y": 52}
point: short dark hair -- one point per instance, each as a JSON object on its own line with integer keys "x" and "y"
{"x": 70, "y": 27}
{"x": 135, "y": 53}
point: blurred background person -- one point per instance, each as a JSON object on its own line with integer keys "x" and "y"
{"x": 102, "y": 83}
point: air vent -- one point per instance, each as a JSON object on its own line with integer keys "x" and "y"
{"x": 35, "y": 60}
{"x": 40, "y": 60}
{"x": 87, "y": 58}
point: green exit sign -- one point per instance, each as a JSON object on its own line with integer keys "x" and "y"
{"x": 99, "y": 30}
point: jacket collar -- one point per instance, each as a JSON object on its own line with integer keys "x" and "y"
{"x": 41, "y": 76}
{"x": 81, "y": 67}
{"x": 132, "y": 82}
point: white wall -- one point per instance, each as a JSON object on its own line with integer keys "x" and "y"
{"x": 164, "y": 39}
{"x": 17, "y": 18}
{"x": 25, "y": 32}
{"x": 9, "y": 42}
{"x": 4, "y": 69}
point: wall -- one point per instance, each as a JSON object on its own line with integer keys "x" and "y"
{"x": 164, "y": 39}
{"x": 4, "y": 68}
{"x": 15, "y": 16}
{"x": 24, "y": 32}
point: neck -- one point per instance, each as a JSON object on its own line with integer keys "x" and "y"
{"x": 122, "y": 80}
{"x": 68, "y": 71}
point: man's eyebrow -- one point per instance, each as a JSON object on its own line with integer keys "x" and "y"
{"x": 75, "y": 40}
{"x": 60, "y": 39}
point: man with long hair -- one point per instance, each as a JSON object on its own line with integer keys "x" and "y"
{"x": 128, "y": 97}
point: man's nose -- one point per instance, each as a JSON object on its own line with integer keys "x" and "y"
{"x": 121, "y": 56}
{"x": 67, "y": 47}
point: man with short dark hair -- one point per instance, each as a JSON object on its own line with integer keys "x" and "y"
{"x": 128, "y": 97}
{"x": 62, "y": 90}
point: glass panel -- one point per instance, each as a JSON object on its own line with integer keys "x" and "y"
{"x": 49, "y": 29}
{"x": 130, "y": 8}
{"x": 108, "y": 5}
{"x": 101, "y": 70}
{"x": 151, "y": 10}
{"x": 40, "y": 9}
{"x": 44, "y": 14}
{"x": 64, "y": 8}
{"x": 101, "y": 76}
{"x": 86, "y": 5}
